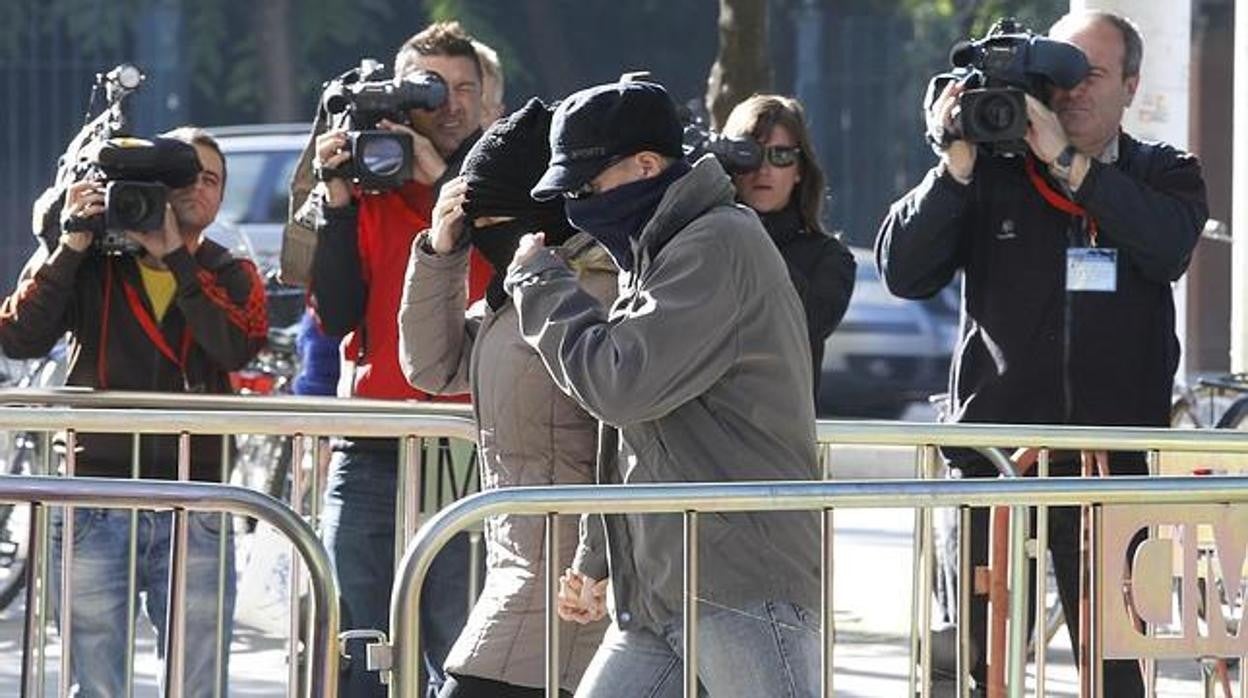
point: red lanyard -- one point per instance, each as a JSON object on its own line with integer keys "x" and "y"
{"x": 1058, "y": 201}
{"x": 153, "y": 331}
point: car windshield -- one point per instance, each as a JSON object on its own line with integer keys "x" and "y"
{"x": 256, "y": 186}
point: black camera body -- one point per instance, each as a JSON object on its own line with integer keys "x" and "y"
{"x": 999, "y": 71}
{"x": 358, "y": 101}
{"x": 736, "y": 155}
{"x": 138, "y": 173}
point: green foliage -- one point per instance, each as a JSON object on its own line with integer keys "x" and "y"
{"x": 219, "y": 38}
{"x": 486, "y": 21}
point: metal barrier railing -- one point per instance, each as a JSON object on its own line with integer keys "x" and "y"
{"x": 77, "y": 411}
{"x": 691, "y": 499}
{"x": 313, "y": 417}
{"x": 85, "y": 397}
{"x": 893, "y": 434}
{"x": 205, "y": 497}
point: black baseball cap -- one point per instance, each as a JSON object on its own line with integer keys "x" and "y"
{"x": 598, "y": 124}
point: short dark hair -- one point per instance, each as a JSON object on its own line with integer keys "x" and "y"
{"x": 1132, "y": 41}
{"x": 195, "y": 135}
{"x": 438, "y": 39}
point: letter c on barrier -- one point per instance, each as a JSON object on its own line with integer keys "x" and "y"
{"x": 1152, "y": 578}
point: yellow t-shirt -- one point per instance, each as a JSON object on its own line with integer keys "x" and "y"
{"x": 160, "y": 287}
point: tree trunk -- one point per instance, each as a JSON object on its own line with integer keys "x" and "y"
{"x": 278, "y": 92}
{"x": 743, "y": 66}
{"x": 555, "y": 64}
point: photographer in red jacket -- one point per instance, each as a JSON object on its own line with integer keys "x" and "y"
{"x": 357, "y": 280}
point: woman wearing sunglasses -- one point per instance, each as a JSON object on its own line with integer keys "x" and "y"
{"x": 787, "y": 193}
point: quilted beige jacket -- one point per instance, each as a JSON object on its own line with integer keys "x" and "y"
{"x": 529, "y": 433}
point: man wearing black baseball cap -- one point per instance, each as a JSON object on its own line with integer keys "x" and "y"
{"x": 704, "y": 368}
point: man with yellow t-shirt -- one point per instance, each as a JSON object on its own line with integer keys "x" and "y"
{"x": 176, "y": 317}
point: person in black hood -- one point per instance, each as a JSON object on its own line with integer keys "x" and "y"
{"x": 786, "y": 192}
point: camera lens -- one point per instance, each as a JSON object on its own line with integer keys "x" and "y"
{"x": 996, "y": 113}
{"x": 381, "y": 156}
{"x": 129, "y": 206}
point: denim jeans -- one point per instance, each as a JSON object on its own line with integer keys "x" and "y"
{"x": 358, "y": 530}
{"x": 100, "y": 579}
{"x": 769, "y": 649}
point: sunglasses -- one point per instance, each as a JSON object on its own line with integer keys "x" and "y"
{"x": 782, "y": 155}
{"x": 584, "y": 191}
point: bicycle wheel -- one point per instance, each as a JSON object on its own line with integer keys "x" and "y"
{"x": 1193, "y": 411}
{"x": 1235, "y": 416}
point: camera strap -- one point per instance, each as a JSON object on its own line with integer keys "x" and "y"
{"x": 1058, "y": 201}
{"x": 153, "y": 332}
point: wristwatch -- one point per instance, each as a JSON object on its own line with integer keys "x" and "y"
{"x": 1061, "y": 164}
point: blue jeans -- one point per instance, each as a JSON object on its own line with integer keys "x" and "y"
{"x": 101, "y": 564}
{"x": 769, "y": 649}
{"x": 358, "y": 529}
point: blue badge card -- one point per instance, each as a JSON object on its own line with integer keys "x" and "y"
{"x": 1092, "y": 269}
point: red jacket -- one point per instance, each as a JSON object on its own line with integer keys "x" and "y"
{"x": 358, "y": 272}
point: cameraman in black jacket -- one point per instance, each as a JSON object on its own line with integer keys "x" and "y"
{"x": 1039, "y": 345}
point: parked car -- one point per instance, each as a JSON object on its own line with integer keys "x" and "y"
{"x": 260, "y": 159}
{"x": 888, "y": 351}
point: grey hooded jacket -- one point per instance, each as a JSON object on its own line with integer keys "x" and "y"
{"x": 703, "y": 364}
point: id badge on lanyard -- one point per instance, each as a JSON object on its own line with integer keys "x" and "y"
{"x": 1093, "y": 269}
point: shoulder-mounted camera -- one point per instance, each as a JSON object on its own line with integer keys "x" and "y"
{"x": 358, "y": 101}
{"x": 999, "y": 70}
{"x": 137, "y": 172}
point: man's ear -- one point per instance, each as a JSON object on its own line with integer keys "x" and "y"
{"x": 1132, "y": 84}
{"x": 650, "y": 163}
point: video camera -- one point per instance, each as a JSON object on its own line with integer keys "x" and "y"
{"x": 737, "y": 155}
{"x": 358, "y": 100}
{"x": 999, "y": 70}
{"x": 138, "y": 172}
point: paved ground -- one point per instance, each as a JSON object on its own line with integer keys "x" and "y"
{"x": 873, "y": 554}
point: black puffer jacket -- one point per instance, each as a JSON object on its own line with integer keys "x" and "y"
{"x": 822, "y": 269}
{"x": 1030, "y": 351}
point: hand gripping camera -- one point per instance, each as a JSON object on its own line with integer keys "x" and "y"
{"x": 999, "y": 70}
{"x": 358, "y": 101}
{"x": 138, "y": 172}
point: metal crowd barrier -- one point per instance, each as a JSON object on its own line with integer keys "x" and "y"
{"x": 76, "y": 411}
{"x": 399, "y": 660}
{"x": 194, "y": 496}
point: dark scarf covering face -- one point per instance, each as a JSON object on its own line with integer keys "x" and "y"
{"x": 500, "y": 171}
{"x": 616, "y": 217}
